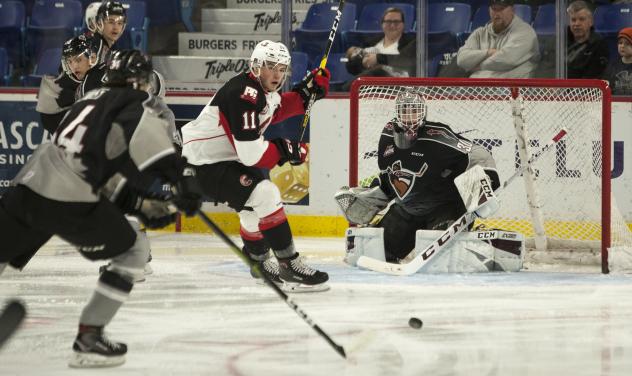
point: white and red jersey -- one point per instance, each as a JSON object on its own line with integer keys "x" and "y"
{"x": 231, "y": 126}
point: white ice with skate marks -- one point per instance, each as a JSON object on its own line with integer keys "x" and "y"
{"x": 200, "y": 313}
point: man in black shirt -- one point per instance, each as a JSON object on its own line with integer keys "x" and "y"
{"x": 587, "y": 52}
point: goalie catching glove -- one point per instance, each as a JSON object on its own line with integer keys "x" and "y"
{"x": 291, "y": 151}
{"x": 360, "y": 205}
{"x": 315, "y": 82}
{"x": 475, "y": 188}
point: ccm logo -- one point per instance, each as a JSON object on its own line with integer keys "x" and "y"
{"x": 446, "y": 237}
{"x": 487, "y": 235}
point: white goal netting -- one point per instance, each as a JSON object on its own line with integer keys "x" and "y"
{"x": 563, "y": 206}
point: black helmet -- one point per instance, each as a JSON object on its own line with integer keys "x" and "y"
{"x": 127, "y": 68}
{"x": 110, "y": 8}
{"x": 80, "y": 45}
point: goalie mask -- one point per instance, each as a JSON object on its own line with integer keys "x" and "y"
{"x": 410, "y": 114}
{"x": 272, "y": 55}
{"x": 79, "y": 54}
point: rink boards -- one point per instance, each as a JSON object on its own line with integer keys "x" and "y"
{"x": 317, "y": 215}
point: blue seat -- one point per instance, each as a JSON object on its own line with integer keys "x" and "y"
{"x": 609, "y": 19}
{"x": 4, "y": 67}
{"x": 481, "y": 16}
{"x": 442, "y": 42}
{"x": 52, "y": 23}
{"x": 433, "y": 66}
{"x": 186, "y": 10}
{"x": 312, "y": 36}
{"x": 12, "y": 17}
{"x": 47, "y": 64}
{"x": 544, "y": 21}
{"x": 339, "y": 75}
{"x": 299, "y": 66}
{"x": 371, "y": 16}
{"x": 454, "y": 17}
{"x": 135, "y": 34}
{"x": 360, "y": 4}
{"x": 164, "y": 12}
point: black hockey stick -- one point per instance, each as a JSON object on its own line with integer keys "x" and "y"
{"x": 10, "y": 320}
{"x": 323, "y": 64}
{"x": 237, "y": 251}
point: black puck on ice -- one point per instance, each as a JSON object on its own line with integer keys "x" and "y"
{"x": 415, "y": 323}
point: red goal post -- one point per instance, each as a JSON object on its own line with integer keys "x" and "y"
{"x": 564, "y": 204}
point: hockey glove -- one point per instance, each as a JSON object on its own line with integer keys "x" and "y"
{"x": 188, "y": 193}
{"x": 156, "y": 212}
{"x": 291, "y": 151}
{"x": 315, "y": 82}
{"x": 150, "y": 208}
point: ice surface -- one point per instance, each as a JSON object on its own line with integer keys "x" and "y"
{"x": 201, "y": 313}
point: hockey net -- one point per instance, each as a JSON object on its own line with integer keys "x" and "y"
{"x": 563, "y": 206}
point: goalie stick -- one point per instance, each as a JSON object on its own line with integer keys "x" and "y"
{"x": 323, "y": 64}
{"x": 237, "y": 251}
{"x": 10, "y": 320}
{"x": 438, "y": 245}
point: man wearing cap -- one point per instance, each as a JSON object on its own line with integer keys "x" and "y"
{"x": 619, "y": 71}
{"x": 586, "y": 51}
{"x": 505, "y": 47}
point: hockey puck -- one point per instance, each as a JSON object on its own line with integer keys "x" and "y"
{"x": 415, "y": 323}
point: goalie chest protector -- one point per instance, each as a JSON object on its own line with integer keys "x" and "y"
{"x": 425, "y": 170}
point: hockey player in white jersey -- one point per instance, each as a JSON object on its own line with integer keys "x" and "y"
{"x": 225, "y": 144}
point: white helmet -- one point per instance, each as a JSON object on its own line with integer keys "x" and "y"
{"x": 270, "y": 53}
{"x": 91, "y": 16}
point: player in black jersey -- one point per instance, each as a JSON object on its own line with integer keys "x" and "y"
{"x": 119, "y": 129}
{"x": 57, "y": 94}
{"x": 418, "y": 161}
{"x": 109, "y": 25}
{"x": 226, "y": 146}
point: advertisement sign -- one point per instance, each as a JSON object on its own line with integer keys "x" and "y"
{"x": 195, "y": 68}
{"x": 270, "y": 4}
{"x": 213, "y": 45}
{"x": 246, "y": 21}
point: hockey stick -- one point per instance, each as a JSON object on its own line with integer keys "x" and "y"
{"x": 323, "y": 64}
{"x": 441, "y": 243}
{"x": 10, "y": 320}
{"x": 237, "y": 251}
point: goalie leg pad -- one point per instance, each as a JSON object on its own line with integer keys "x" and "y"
{"x": 474, "y": 252}
{"x": 364, "y": 241}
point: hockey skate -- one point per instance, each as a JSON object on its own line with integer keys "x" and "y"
{"x": 299, "y": 277}
{"x": 93, "y": 350}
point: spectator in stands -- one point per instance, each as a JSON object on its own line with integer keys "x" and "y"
{"x": 505, "y": 47}
{"x": 392, "y": 54}
{"x": 586, "y": 51}
{"x": 619, "y": 71}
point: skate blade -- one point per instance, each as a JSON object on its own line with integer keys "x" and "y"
{"x": 301, "y": 288}
{"x": 289, "y": 287}
{"x": 88, "y": 360}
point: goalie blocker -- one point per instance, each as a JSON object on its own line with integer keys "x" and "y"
{"x": 471, "y": 252}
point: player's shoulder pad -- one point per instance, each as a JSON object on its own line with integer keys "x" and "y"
{"x": 442, "y": 133}
{"x": 246, "y": 89}
{"x": 388, "y": 128}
